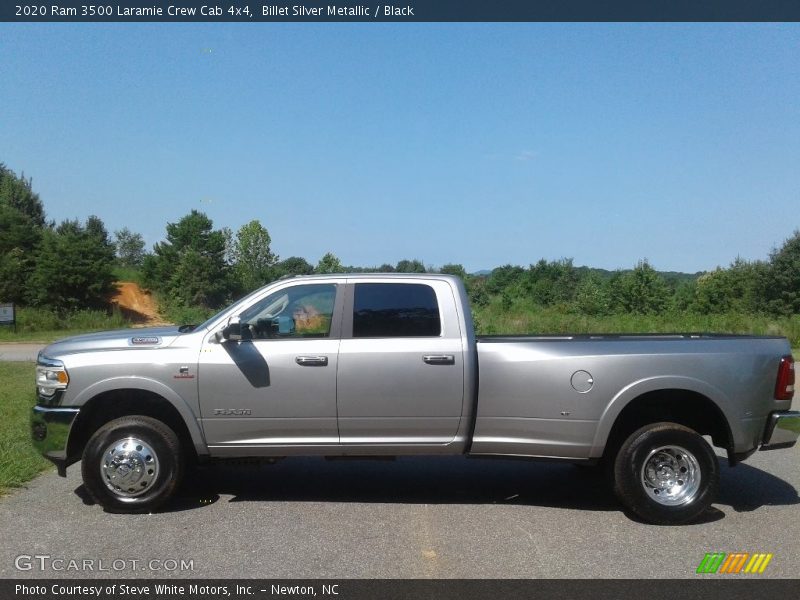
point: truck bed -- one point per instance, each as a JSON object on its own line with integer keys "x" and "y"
{"x": 540, "y": 396}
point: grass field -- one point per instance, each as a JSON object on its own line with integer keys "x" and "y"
{"x": 19, "y": 462}
{"x": 522, "y": 318}
{"x": 37, "y": 325}
{"x": 45, "y": 337}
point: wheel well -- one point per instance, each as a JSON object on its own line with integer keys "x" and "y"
{"x": 112, "y": 405}
{"x": 685, "y": 407}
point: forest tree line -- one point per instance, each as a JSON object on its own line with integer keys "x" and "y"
{"x": 197, "y": 268}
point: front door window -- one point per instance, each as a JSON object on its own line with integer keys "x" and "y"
{"x": 303, "y": 311}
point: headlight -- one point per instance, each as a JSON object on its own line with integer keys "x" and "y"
{"x": 51, "y": 375}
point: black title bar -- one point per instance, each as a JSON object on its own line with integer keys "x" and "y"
{"x": 701, "y": 588}
{"x": 138, "y": 11}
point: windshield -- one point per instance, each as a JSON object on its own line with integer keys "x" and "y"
{"x": 207, "y": 323}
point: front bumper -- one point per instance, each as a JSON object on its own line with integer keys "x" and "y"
{"x": 783, "y": 429}
{"x": 50, "y": 428}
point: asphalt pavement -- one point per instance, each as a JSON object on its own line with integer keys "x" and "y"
{"x": 414, "y": 517}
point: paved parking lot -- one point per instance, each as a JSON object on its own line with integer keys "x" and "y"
{"x": 415, "y": 517}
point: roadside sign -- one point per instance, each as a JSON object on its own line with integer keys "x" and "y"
{"x": 8, "y": 315}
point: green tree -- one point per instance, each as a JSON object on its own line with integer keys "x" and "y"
{"x": 73, "y": 267}
{"x": 17, "y": 192}
{"x": 780, "y": 280}
{"x": 477, "y": 292}
{"x": 190, "y": 283}
{"x": 454, "y": 269}
{"x": 21, "y": 224}
{"x": 640, "y": 291}
{"x": 294, "y": 265}
{"x": 685, "y": 296}
{"x": 592, "y": 297}
{"x": 551, "y": 282}
{"x": 735, "y": 289}
{"x": 504, "y": 277}
{"x": 130, "y": 247}
{"x": 253, "y": 261}
{"x": 714, "y": 292}
{"x": 13, "y": 276}
{"x": 329, "y": 264}
{"x": 19, "y": 239}
{"x": 747, "y": 278}
{"x": 410, "y": 266}
{"x": 189, "y": 266}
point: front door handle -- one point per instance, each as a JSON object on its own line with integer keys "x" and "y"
{"x": 439, "y": 359}
{"x": 312, "y": 361}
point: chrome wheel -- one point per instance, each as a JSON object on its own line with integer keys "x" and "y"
{"x": 129, "y": 467}
{"x": 671, "y": 476}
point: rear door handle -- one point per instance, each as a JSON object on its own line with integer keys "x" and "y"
{"x": 439, "y": 359}
{"x": 312, "y": 361}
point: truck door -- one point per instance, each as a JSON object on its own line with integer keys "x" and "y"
{"x": 277, "y": 386}
{"x": 401, "y": 367}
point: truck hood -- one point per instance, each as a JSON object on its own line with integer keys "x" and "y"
{"x": 122, "y": 339}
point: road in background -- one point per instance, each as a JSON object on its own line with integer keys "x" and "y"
{"x": 14, "y": 352}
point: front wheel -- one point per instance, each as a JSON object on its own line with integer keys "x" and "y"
{"x": 666, "y": 474}
{"x": 132, "y": 464}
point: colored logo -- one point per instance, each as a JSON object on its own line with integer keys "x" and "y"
{"x": 736, "y": 562}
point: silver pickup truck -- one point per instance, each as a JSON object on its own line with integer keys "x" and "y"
{"x": 388, "y": 365}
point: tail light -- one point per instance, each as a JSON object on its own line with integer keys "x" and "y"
{"x": 784, "y": 387}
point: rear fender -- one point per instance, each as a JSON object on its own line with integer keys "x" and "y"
{"x": 636, "y": 389}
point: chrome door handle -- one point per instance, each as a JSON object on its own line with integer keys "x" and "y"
{"x": 439, "y": 359}
{"x": 312, "y": 361}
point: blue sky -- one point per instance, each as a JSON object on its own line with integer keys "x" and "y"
{"x": 482, "y": 144}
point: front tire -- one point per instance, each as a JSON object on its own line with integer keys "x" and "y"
{"x": 666, "y": 474}
{"x": 132, "y": 464}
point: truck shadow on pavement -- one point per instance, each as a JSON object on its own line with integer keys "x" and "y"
{"x": 449, "y": 480}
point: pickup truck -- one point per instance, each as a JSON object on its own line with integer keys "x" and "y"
{"x": 377, "y": 365}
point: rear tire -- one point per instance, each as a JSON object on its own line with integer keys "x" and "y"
{"x": 132, "y": 464}
{"x": 666, "y": 474}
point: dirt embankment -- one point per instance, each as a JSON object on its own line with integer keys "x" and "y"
{"x": 137, "y": 305}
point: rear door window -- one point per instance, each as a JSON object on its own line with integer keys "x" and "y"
{"x": 395, "y": 310}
